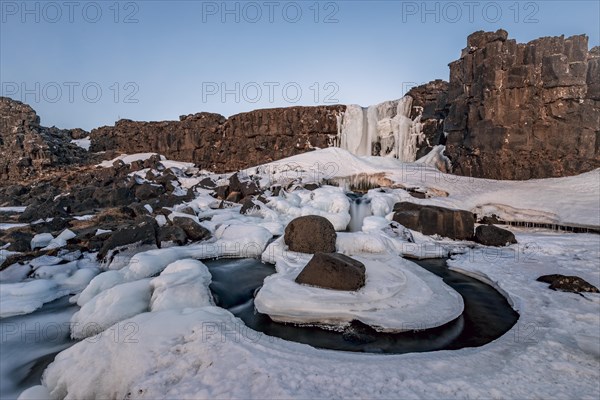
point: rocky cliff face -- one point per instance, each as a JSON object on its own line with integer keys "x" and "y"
{"x": 521, "y": 111}
{"x": 214, "y": 142}
{"x": 27, "y": 149}
{"x": 431, "y": 101}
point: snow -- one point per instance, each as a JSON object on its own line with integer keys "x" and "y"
{"x": 26, "y": 297}
{"x": 41, "y": 240}
{"x": 183, "y": 284}
{"x": 60, "y": 240}
{"x": 436, "y": 158}
{"x": 84, "y": 143}
{"x": 182, "y": 347}
{"x": 398, "y": 295}
{"x": 235, "y": 240}
{"x": 8, "y": 225}
{"x": 570, "y": 200}
{"x": 49, "y": 282}
{"x": 16, "y": 209}
{"x": 177, "y": 164}
{"x": 111, "y": 306}
{"x": 328, "y": 202}
{"x": 127, "y": 159}
{"x": 552, "y": 352}
{"x": 84, "y": 217}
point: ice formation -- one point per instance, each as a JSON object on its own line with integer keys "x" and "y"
{"x": 398, "y": 295}
{"x": 384, "y": 129}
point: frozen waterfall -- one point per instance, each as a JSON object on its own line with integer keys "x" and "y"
{"x": 383, "y": 129}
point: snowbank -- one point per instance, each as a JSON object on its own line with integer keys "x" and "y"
{"x": 398, "y": 295}
{"x": 552, "y": 352}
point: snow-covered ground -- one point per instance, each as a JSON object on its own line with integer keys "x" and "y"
{"x": 568, "y": 201}
{"x": 552, "y": 352}
{"x": 160, "y": 336}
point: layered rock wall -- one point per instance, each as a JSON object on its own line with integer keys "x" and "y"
{"x": 214, "y": 142}
{"x": 522, "y": 111}
{"x": 28, "y": 150}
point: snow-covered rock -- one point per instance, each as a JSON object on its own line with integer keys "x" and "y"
{"x": 398, "y": 295}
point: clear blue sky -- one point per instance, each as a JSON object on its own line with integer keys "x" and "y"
{"x": 176, "y": 57}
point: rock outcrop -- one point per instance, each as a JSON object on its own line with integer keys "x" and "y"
{"x": 214, "y": 142}
{"x": 433, "y": 220}
{"x": 27, "y": 149}
{"x": 431, "y": 102}
{"x": 522, "y": 111}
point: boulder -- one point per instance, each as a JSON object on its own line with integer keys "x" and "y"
{"x": 19, "y": 241}
{"x": 245, "y": 187}
{"x": 148, "y": 191}
{"x": 333, "y": 271}
{"x": 192, "y": 229}
{"x": 249, "y": 206}
{"x": 565, "y": 283}
{"x": 434, "y": 220}
{"x": 172, "y": 233}
{"x": 144, "y": 232}
{"x": 310, "y": 234}
{"x": 48, "y": 209}
{"x": 491, "y": 235}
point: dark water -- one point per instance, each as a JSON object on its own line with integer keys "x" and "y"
{"x": 29, "y": 344}
{"x": 487, "y": 314}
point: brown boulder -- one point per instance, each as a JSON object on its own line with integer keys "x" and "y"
{"x": 433, "y": 220}
{"x": 333, "y": 271}
{"x": 310, "y": 234}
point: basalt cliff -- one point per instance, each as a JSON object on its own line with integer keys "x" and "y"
{"x": 509, "y": 111}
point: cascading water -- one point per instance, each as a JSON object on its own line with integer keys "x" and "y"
{"x": 360, "y": 208}
{"x": 385, "y": 128}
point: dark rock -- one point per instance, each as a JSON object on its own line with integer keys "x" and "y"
{"x": 172, "y": 233}
{"x": 207, "y": 183}
{"x": 27, "y": 149}
{"x": 19, "y": 241}
{"x": 222, "y": 191}
{"x": 359, "y": 333}
{"x": 148, "y": 191}
{"x": 144, "y": 232}
{"x": 490, "y": 220}
{"x": 311, "y": 186}
{"x": 49, "y": 209}
{"x": 310, "y": 234}
{"x": 511, "y": 103}
{"x": 249, "y": 205}
{"x": 193, "y": 230}
{"x": 491, "y": 235}
{"x": 248, "y": 139}
{"x": 245, "y": 187}
{"x": 333, "y": 271}
{"x": 433, "y": 220}
{"x": 565, "y": 283}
